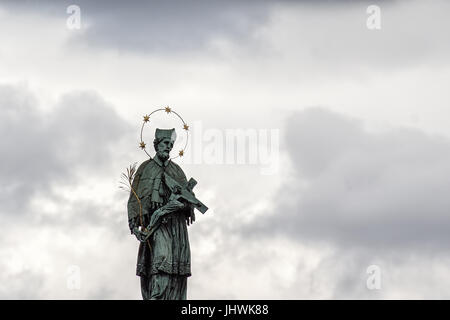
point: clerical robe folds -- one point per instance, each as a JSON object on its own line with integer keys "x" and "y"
{"x": 164, "y": 265}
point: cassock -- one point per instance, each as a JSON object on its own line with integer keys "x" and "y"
{"x": 164, "y": 265}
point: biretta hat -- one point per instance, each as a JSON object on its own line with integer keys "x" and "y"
{"x": 166, "y": 133}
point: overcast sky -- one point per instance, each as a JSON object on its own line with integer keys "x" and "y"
{"x": 358, "y": 148}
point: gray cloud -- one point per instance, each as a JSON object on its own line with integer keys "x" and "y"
{"x": 47, "y": 155}
{"x": 410, "y": 33}
{"x": 165, "y": 27}
{"x": 355, "y": 188}
{"x": 40, "y": 149}
{"x": 16, "y": 288}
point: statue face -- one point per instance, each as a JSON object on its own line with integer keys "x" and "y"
{"x": 163, "y": 149}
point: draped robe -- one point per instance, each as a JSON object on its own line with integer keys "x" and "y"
{"x": 166, "y": 264}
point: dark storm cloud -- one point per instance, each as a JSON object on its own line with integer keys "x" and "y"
{"x": 360, "y": 189}
{"x": 39, "y": 149}
{"x": 410, "y": 32}
{"x": 333, "y": 34}
{"x": 156, "y": 26}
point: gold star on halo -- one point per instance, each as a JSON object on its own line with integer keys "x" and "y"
{"x": 181, "y": 153}
{"x": 142, "y": 145}
{"x": 185, "y": 127}
{"x": 168, "y": 110}
{"x": 146, "y": 118}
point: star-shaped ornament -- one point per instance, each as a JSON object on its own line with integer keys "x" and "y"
{"x": 142, "y": 145}
{"x": 146, "y": 118}
{"x": 185, "y": 127}
{"x": 181, "y": 153}
{"x": 168, "y": 110}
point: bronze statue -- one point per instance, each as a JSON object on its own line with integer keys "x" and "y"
{"x": 160, "y": 207}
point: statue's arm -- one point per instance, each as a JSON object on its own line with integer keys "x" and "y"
{"x": 133, "y": 204}
{"x": 133, "y": 207}
{"x": 188, "y": 209}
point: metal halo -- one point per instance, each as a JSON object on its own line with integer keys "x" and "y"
{"x": 167, "y": 110}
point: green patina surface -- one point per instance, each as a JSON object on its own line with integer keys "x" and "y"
{"x": 166, "y": 207}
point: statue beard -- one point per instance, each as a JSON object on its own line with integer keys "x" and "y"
{"x": 163, "y": 155}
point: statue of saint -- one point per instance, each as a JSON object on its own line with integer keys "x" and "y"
{"x": 159, "y": 211}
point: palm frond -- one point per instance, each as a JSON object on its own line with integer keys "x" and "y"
{"x": 128, "y": 177}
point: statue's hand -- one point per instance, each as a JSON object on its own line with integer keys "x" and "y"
{"x": 190, "y": 218}
{"x": 140, "y": 235}
{"x": 154, "y": 218}
{"x": 163, "y": 212}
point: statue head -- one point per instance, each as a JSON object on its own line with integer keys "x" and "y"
{"x": 163, "y": 143}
